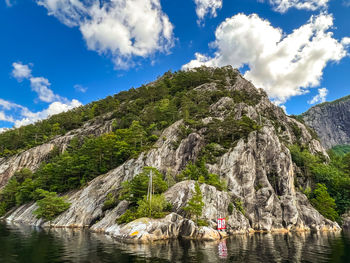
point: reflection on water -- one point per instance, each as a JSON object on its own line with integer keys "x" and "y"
{"x": 25, "y": 244}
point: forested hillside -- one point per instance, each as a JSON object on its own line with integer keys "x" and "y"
{"x": 208, "y": 125}
{"x": 139, "y": 116}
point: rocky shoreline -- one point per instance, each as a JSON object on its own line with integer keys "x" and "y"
{"x": 174, "y": 226}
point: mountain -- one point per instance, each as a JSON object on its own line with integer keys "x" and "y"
{"x": 255, "y": 165}
{"x": 331, "y": 121}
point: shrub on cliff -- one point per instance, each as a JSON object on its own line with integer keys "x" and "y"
{"x": 135, "y": 189}
{"x": 110, "y": 202}
{"x": 200, "y": 173}
{"x": 195, "y": 205}
{"x": 324, "y": 203}
{"x": 156, "y": 207}
{"x": 50, "y": 206}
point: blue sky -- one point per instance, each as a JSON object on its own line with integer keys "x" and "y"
{"x": 57, "y": 54}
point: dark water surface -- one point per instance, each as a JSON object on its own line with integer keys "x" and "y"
{"x": 26, "y": 244}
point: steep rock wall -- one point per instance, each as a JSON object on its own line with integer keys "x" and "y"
{"x": 331, "y": 121}
{"x": 33, "y": 157}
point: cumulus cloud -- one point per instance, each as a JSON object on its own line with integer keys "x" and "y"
{"x": 41, "y": 86}
{"x": 20, "y": 115}
{"x": 4, "y": 117}
{"x": 346, "y": 41}
{"x": 204, "y": 7}
{"x": 54, "y": 108}
{"x": 7, "y": 105}
{"x": 21, "y": 71}
{"x": 121, "y": 29}
{"x": 320, "y": 97}
{"x": 25, "y": 116}
{"x": 283, "y": 6}
{"x": 4, "y": 130}
{"x": 284, "y": 65}
{"x": 38, "y": 84}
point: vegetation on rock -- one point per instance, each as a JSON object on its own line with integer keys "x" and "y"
{"x": 195, "y": 205}
{"x": 200, "y": 173}
{"x": 332, "y": 178}
{"x": 50, "y": 205}
{"x": 135, "y": 191}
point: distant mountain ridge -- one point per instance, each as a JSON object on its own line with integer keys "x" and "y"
{"x": 331, "y": 121}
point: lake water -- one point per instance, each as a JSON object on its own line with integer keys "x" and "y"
{"x": 26, "y": 244}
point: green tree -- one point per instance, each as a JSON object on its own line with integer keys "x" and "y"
{"x": 24, "y": 192}
{"x": 50, "y": 206}
{"x": 138, "y": 133}
{"x": 135, "y": 189}
{"x": 56, "y": 128}
{"x": 110, "y": 202}
{"x": 8, "y": 195}
{"x": 324, "y": 203}
{"x": 195, "y": 205}
{"x": 23, "y": 174}
{"x": 153, "y": 208}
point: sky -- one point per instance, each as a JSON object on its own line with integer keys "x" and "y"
{"x": 59, "y": 54}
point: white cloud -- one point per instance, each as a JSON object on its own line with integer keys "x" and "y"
{"x": 38, "y": 84}
{"x": 21, "y": 71}
{"x": 346, "y": 41}
{"x": 346, "y": 3}
{"x": 204, "y": 7}
{"x": 54, "y": 108}
{"x": 284, "y": 65}
{"x": 284, "y": 5}
{"x": 80, "y": 88}
{"x": 24, "y": 116}
{"x": 41, "y": 86}
{"x": 4, "y": 130}
{"x": 7, "y": 105}
{"x": 121, "y": 29}
{"x": 4, "y": 117}
{"x": 320, "y": 97}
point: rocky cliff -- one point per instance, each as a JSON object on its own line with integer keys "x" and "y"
{"x": 32, "y": 158}
{"x": 258, "y": 169}
{"x": 331, "y": 121}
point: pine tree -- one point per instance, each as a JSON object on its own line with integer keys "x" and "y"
{"x": 195, "y": 205}
{"x": 324, "y": 203}
{"x": 50, "y": 206}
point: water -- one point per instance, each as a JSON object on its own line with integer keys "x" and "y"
{"x": 25, "y": 244}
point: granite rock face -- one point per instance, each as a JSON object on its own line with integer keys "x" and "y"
{"x": 258, "y": 170}
{"x": 33, "y": 157}
{"x": 331, "y": 121}
{"x": 346, "y": 221}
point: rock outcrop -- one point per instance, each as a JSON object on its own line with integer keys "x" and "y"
{"x": 331, "y": 121}
{"x": 32, "y": 158}
{"x": 346, "y": 221}
{"x": 258, "y": 170}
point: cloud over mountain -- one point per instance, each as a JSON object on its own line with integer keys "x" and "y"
{"x": 285, "y": 65}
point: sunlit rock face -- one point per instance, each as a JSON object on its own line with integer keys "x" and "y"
{"x": 331, "y": 121}
{"x": 33, "y": 157}
{"x": 258, "y": 170}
